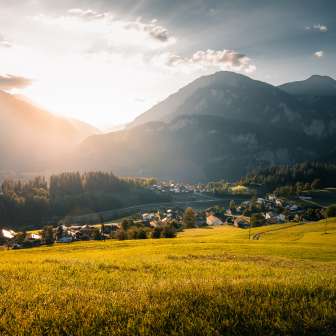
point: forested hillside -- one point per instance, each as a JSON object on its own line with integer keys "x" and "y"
{"x": 33, "y": 203}
{"x": 293, "y": 179}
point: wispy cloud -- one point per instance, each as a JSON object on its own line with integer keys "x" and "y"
{"x": 104, "y": 33}
{"x": 88, "y": 13}
{"x": 152, "y": 29}
{"x": 319, "y": 54}
{"x": 4, "y": 43}
{"x": 318, "y": 27}
{"x": 8, "y": 82}
{"x": 221, "y": 59}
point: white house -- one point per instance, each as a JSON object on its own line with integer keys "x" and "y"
{"x": 9, "y": 234}
{"x": 213, "y": 220}
{"x": 148, "y": 216}
{"x": 35, "y": 236}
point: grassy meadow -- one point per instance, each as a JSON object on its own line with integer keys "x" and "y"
{"x": 204, "y": 282}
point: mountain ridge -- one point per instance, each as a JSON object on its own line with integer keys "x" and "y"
{"x": 31, "y": 137}
{"x": 218, "y": 126}
{"x": 315, "y": 85}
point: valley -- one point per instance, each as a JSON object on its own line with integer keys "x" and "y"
{"x": 218, "y": 127}
{"x": 167, "y": 168}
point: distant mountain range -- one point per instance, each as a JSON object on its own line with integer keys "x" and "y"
{"x": 221, "y": 126}
{"x": 315, "y": 85}
{"x": 217, "y": 127}
{"x": 31, "y": 138}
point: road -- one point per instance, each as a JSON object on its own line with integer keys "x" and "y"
{"x": 197, "y": 201}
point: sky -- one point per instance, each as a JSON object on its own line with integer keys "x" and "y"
{"x": 107, "y": 61}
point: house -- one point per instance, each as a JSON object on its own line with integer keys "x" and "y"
{"x": 148, "y": 216}
{"x": 281, "y": 218}
{"x": 229, "y": 212}
{"x": 271, "y": 198}
{"x": 9, "y": 234}
{"x": 65, "y": 239}
{"x": 35, "y": 236}
{"x": 260, "y": 200}
{"x": 274, "y": 218}
{"x": 109, "y": 228}
{"x": 213, "y": 220}
{"x": 242, "y": 222}
{"x": 155, "y": 223}
{"x": 294, "y": 207}
{"x": 278, "y": 202}
{"x": 271, "y": 217}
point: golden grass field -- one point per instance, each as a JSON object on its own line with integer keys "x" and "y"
{"x": 204, "y": 282}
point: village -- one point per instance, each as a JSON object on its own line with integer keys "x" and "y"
{"x": 166, "y": 222}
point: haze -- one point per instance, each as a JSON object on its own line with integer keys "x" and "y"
{"x": 106, "y": 62}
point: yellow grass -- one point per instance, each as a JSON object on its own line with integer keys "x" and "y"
{"x": 205, "y": 282}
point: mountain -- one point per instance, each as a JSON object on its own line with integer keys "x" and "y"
{"x": 219, "y": 126}
{"x": 313, "y": 86}
{"x": 234, "y": 96}
{"x": 230, "y": 95}
{"x": 194, "y": 148}
{"x": 32, "y": 138}
{"x": 318, "y": 95}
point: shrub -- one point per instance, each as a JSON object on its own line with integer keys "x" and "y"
{"x": 331, "y": 211}
{"x": 132, "y": 233}
{"x": 142, "y": 234}
{"x": 156, "y": 233}
{"x": 121, "y": 234}
{"x": 48, "y": 235}
{"x": 168, "y": 232}
{"x": 189, "y": 218}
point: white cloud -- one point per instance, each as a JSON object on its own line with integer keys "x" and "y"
{"x": 318, "y": 27}
{"x": 95, "y": 66}
{"x": 321, "y": 28}
{"x": 8, "y": 82}
{"x": 150, "y": 29}
{"x": 154, "y": 30}
{"x": 221, "y": 59}
{"x": 4, "y": 43}
{"x": 319, "y": 54}
{"x": 88, "y": 13}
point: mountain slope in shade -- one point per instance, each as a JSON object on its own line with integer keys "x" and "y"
{"x": 232, "y": 96}
{"x": 31, "y": 138}
{"x": 194, "y": 148}
{"x": 313, "y": 86}
{"x": 318, "y": 95}
{"x": 219, "y": 126}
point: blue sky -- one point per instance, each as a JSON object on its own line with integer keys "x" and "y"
{"x": 106, "y": 61}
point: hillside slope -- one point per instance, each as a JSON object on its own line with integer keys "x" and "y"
{"x": 205, "y": 281}
{"x": 219, "y": 126}
{"x": 313, "y": 86}
{"x": 232, "y": 96}
{"x": 31, "y": 138}
{"x": 194, "y": 148}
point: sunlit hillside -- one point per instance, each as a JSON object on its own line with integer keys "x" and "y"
{"x": 31, "y": 138}
{"x": 210, "y": 281}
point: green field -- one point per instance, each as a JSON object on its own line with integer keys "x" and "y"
{"x": 204, "y": 282}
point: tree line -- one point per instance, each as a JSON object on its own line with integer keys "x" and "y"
{"x": 293, "y": 179}
{"x": 33, "y": 203}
